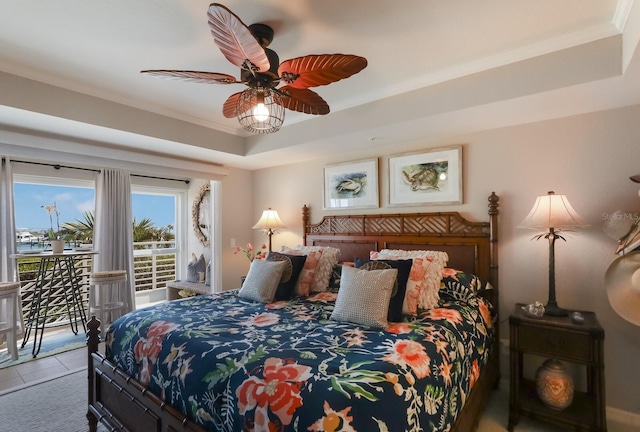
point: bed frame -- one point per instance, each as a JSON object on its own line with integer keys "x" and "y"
{"x": 472, "y": 247}
{"x": 121, "y": 403}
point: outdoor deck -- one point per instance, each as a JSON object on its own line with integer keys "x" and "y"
{"x": 154, "y": 262}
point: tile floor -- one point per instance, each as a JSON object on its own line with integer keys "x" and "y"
{"x": 44, "y": 368}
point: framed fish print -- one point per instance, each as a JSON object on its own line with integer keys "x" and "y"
{"x": 431, "y": 177}
{"x": 351, "y": 185}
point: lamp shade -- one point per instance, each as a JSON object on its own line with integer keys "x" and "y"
{"x": 552, "y": 211}
{"x": 269, "y": 221}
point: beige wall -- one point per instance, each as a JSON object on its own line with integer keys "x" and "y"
{"x": 238, "y": 216}
{"x": 589, "y": 158}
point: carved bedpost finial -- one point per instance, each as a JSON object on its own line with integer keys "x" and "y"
{"x": 305, "y": 222}
{"x": 493, "y": 204}
{"x": 93, "y": 334}
{"x": 493, "y": 242}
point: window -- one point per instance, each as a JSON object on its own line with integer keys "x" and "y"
{"x": 46, "y": 209}
{"x": 158, "y": 233}
{"x": 64, "y": 207}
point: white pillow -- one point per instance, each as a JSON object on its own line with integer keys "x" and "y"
{"x": 262, "y": 280}
{"x": 329, "y": 258}
{"x": 364, "y": 296}
{"x": 424, "y": 280}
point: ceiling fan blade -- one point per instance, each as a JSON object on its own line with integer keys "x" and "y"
{"x": 193, "y": 76}
{"x": 230, "y": 107}
{"x": 235, "y": 40}
{"x": 304, "y": 101}
{"x": 317, "y": 70}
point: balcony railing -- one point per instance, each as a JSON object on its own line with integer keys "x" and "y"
{"x": 154, "y": 266}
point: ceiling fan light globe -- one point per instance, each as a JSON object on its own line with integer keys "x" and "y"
{"x": 260, "y": 110}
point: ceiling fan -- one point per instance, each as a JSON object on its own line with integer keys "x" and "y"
{"x": 260, "y": 108}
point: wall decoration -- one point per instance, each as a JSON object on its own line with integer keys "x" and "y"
{"x": 351, "y": 185}
{"x": 200, "y": 215}
{"x": 428, "y": 177}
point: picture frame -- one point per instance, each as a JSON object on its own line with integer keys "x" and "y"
{"x": 351, "y": 185}
{"x": 427, "y": 177}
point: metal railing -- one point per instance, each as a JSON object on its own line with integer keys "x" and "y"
{"x": 154, "y": 265}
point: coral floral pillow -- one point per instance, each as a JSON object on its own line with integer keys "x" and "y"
{"x": 424, "y": 280}
{"x": 330, "y": 256}
{"x": 323, "y": 270}
{"x": 307, "y": 275}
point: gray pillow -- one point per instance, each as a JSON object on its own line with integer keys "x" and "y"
{"x": 207, "y": 277}
{"x": 194, "y": 268}
{"x": 262, "y": 280}
{"x": 364, "y": 296}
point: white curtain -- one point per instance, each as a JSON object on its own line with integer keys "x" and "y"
{"x": 7, "y": 224}
{"x": 113, "y": 230}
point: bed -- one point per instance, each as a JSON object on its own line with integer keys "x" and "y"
{"x": 292, "y": 365}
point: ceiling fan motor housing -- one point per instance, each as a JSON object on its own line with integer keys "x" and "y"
{"x": 263, "y": 79}
{"x": 263, "y": 33}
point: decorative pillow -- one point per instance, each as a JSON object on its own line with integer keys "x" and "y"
{"x": 364, "y": 296}
{"x": 330, "y": 257}
{"x": 334, "y": 280}
{"x": 290, "y": 275}
{"x": 262, "y": 280}
{"x": 336, "y": 274}
{"x": 305, "y": 280}
{"x": 196, "y": 266}
{"x": 400, "y": 287}
{"x": 207, "y": 275}
{"x": 424, "y": 281}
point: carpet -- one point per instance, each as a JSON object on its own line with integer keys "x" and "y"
{"x": 55, "y": 405}
{"x": 52, "y": 344}
{"x": 33, "y": 408}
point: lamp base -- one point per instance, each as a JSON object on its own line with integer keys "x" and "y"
{"x": 552, "y": 309}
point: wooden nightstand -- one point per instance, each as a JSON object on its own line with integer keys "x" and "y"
{"x": 560, "y": 338}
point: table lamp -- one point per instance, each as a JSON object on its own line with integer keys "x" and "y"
{"x": 553, "y": 213}
{"x": 269, "y": 222}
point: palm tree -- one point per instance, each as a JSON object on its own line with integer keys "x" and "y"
{"x": 143, "y": 231}
{"x": 81, "y": 230}
{"x": 164, "y": 233}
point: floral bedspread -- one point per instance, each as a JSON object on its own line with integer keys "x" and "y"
{"x": 232, "y": 364}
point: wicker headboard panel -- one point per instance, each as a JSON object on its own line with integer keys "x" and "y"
{"x": 472, "y": 246}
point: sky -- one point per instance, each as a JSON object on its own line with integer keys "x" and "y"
{"x": 72, "y": 202}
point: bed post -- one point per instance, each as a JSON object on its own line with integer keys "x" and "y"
{"x": 305, "y": 222}
{"x": 493, "y": 257}
{"x": 93, "y": 340}
{"x": 493, "y": 238}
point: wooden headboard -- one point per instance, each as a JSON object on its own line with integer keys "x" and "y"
{"x": 472, "y": 246}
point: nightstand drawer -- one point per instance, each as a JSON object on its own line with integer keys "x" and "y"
{"x": 558, "y": 343}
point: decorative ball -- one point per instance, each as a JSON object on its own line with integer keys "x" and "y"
{"x": 554, "y": 385}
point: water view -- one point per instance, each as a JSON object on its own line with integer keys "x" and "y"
{"x": 51, "y": 211}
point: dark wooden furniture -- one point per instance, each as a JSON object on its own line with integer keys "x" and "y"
{"x": 560, "y": 338}
{"x": 472, "y": 247}
{"x": 122, "y": 403}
